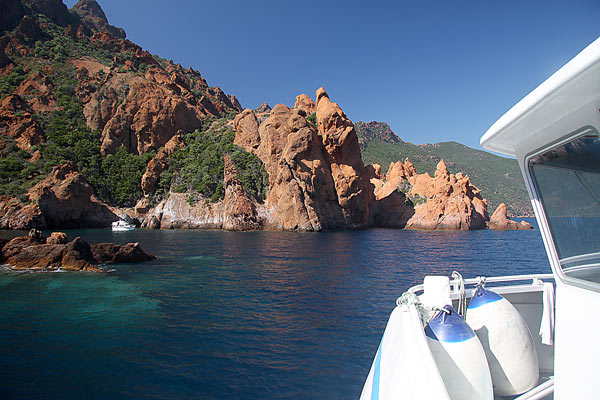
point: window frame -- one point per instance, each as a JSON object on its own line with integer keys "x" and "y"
{"x": 540, "y": 211}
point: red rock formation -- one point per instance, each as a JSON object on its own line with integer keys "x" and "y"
{"x": 263, "y": 108}
{"x": 239, "y": 210}
{"x": 16, "y": 215}
{"x": 305, "y": 103}
{"x": 391, "y": 208}
{"x": 24, "y": 253}
{"x": 353, "y": 189}
{"x": 38, "y": 91}
{"x": 16, "y": 121}
{"x": 235, "y": 102}
{"x": 301, "y": 189}
{"x": 148, "y": 117}
{"x": 27, "y": 253}
{"x": 77, "y": 256}
{"x": 451, "y": 202}
{"x": 317, "y": 180}
{"x": 409, "y": 168}
{"x": 159, "y": 163}
{"x": 57, "y": 238}
{"x": 93, "y": 16}
{"x": 143, "y": 113}
{"x": 178, "y": 212}
{"x": 65, "y": 199}
{"x": 500, "y": 220}
{"x": 246, "y": 126}
{"x": 16, "y": 245}
{"x": 301, "y": 193}
{"x": 110, "y": 253}
{"x": 224, "y": 98}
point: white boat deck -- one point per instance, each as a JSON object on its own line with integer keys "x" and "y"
{"x": 420, "y": 376}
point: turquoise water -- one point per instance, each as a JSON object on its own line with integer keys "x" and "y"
{"x": 229, "y": 315}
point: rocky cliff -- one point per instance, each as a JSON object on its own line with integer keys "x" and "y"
{"x": 317, "y": 179}
{"x": 94, "y": 128}
{"x": 375, "y": 130}
{"x": 92, "y": 14}
{"x": 74, "y": 90}
{"x": 451, "y": 202}
{"x": 498, "y": 178}
{"x": 500, "y": 220}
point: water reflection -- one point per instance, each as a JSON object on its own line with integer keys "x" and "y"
{"x": 232, "y": 315}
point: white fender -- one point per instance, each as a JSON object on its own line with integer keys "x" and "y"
{"x": 459, "y": 356}
{"x": 507, "y": 342}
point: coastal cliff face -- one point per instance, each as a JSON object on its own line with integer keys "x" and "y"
{"x": 452, "y": 202}
{"x": 301, "y": 193}
{"x": 63, "y": 199}
{"x": 94, "y": 128}
{"x": 317, "y": 179}
{"x": 500, "y": 220}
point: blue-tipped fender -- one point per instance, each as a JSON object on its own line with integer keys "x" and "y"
{"x": 459, "y": 356}
{"x": 506, "y": 340}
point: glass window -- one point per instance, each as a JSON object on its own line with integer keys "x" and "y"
{"x": 567, "y": 180}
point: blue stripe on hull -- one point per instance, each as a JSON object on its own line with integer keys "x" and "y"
{"x": 376, "y": 374}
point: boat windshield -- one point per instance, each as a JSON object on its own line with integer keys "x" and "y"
{"x": 567, "y": 180}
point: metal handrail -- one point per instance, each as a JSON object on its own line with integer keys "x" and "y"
{"x": 495, "y": 279}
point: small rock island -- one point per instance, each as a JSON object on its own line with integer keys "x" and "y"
{"x": 36, "y": 253}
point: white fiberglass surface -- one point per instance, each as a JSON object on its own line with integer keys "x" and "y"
{"x": 574, "y": 86}
{"x": 567, "y": 181}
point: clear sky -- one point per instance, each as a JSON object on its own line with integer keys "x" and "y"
{"x": 434, "y": 70}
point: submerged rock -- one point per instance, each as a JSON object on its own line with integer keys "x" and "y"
{"x": 110, "y": 253}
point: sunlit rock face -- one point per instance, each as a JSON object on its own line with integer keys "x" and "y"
{"x": 452, "y": 202}
{"x": 500, "y": 220}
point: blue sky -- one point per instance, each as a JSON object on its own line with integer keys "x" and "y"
{"x": 434, "y": 70}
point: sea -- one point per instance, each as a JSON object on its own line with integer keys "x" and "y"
{"x": 230, "y": 315}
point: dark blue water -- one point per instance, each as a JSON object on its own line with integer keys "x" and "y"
{"x": 225, "y": 315}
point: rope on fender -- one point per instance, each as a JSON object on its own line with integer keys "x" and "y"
{"x": 410, "y": 299}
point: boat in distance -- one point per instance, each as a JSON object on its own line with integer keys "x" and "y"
{"x": 524, "y": 336}
{"x": 121, "y": 226}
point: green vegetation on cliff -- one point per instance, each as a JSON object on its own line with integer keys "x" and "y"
{"x": 41, "y": 55}
{"x": 199, "y": 166}
{"x": 498, "y": 178}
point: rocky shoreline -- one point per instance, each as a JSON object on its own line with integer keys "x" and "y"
{"x": 57, "y": 253}
{"x": 128, "y": 107}
{"x": 317, "y": 182}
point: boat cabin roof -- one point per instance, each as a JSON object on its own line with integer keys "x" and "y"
{"x": 563, "y": 104}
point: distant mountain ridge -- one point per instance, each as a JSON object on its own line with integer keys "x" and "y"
{"x": 375, "y": 130}
{"x": 499, "y": 178}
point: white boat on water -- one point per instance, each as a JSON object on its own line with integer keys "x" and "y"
{"x": 120, "y": 225}
{"x": 527, "y": 336}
